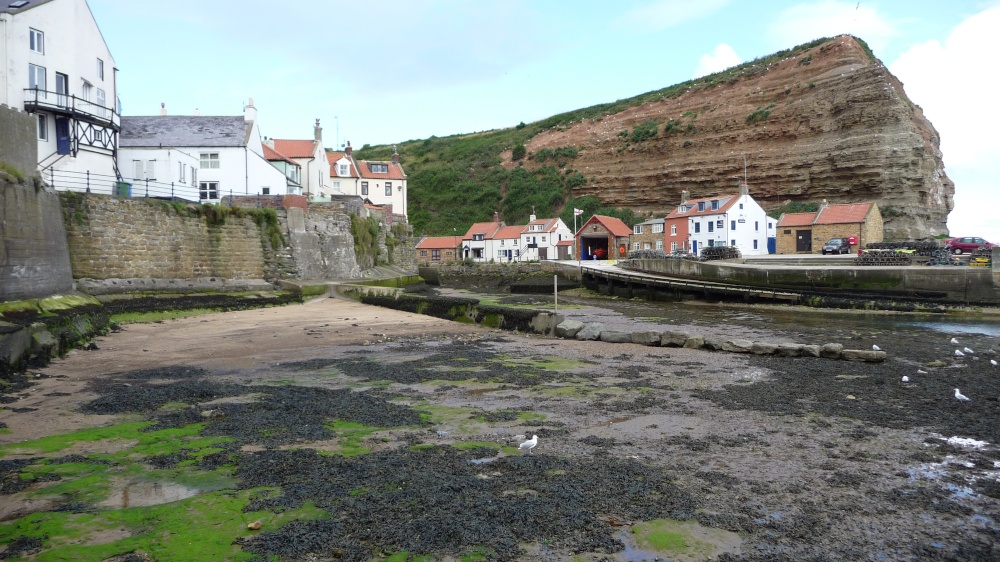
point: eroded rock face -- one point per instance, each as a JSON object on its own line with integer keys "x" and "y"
{"x": 829, "y": 123}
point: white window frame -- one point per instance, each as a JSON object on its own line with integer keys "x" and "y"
{"x": 34, "y": 73}
{"x": 151, "y": 170}
{"x": 101, "y": 98}
{"x": 673, "y": 230}
{"x": 657, "y": 228}
{"x": 637, "y": 229}
{"x": 88, "y": 91}
{"x": 635, "y": 246}
{"x": 194, "y": 176}
{"x": 388, "y": 189}
{"x": 181, "y": 172}
{"x": 208, "y": 188}
{"x": 43, "y": 127}
{"x": 209, "y": 161}
{"x": 659, "y": 244}
{"x": 100, "y": 69}
{"x": 673, "y": 246}
{"x": 364, "y": 188}
{"x": 36, "y": 40}
{"x": 343, "y": 170}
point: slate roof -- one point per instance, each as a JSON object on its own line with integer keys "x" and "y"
{"x": 295, "y": 148}
{"x": 184, "y": 130}
{"x": 6, "y": 9}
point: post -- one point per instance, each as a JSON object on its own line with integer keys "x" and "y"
{"x": 52, "y": 177}
{"x": 147, "y": 188}
{"x": 88, "y": 181}
{"x": 171, "y": 191}
{"x": 555, "y": 294}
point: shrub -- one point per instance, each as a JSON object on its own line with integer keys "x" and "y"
{"x": 519, "y": 152}
{"x": 761, "y": 114}
{"x": 645, "y": 130}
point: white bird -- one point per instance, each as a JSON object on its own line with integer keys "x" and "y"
{"x": 960, "y": 396}
{"x": 994, "y": 362}
{"x": 876, "y": 348}
{"x": 529, "y": 444}
{"x": 958, "y": 353}
{"x": 954, "y": 341}
{"x": 906, "y": 378}
{"x": 921, "y": 372}
{"x": 969, "y": 351}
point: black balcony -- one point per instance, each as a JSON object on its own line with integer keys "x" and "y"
{"x": 71, "y": 106}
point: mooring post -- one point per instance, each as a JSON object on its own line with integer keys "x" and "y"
{"x": 555, "y": 289}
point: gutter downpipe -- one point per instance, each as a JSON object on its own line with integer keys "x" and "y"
{"x": 6, "y": 45}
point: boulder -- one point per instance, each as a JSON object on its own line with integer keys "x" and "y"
{"x": 568, "y": 328}
{"x": 936, "y": 363}
{"x": 694, "y": 342}
{"x": 646, "y": 338}
{"x": 673, "y": 339}
{"x": 831, "y": 350}
{"x": 761, "y": 348}
{"x": 614, "y": 336}
{"x": 590, "y": 331}
{"x": 810, "y": 350}
{"x": 789, "y": 349}
{"x": 866, "y": 355}
{"x": 737, "y": 346}
{"x": 713, "y": 343}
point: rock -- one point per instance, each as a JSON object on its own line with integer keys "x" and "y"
{"x": 568, "y": 328}
{"x": 614, "y": 336}
{"x": 694, "y": 342}
{"x": 810, "y": 350}
{"x": 866, "y": 355}
{"x": 646, "y": 338}
{"x": 673, "y": 339}
{"x": 737, "y": 346}
{"x": 713, "y": 343}
{"x": 789, "y": 349}
{"x": 761, "y": 348}
{"x": 590, "y": 331}
{"x": 936, "y": 363}
{"x": 831, "y": 350}
{"x": 255, "y": 525}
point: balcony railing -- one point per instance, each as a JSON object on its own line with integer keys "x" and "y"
{"x": 70, "y": 105}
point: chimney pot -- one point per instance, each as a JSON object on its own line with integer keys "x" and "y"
{"x": 163, "y": 108}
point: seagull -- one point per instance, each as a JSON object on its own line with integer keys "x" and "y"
{"x": 969, "y": 351}
{"x": 961, "y": 397}
{"x": 921, "y": 372}
{"x": 958, "y": 353}
{"x": 876, "y": 348}
{"x": 954, "y": 341}
{"x": 906, "y": 378}
{"x": 530, "y": 443}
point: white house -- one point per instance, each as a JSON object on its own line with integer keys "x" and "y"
{"x": 381, "y": 183}
{"x": 474, "y": 241}
{"x": 57, "y": 66}
{"x": 229, "y": 152}
{"x": 504, "y": 244}
{"x": 311, "y": 157}
{"x": 287, "y": 166}
{"x": 540, "y": 237}
{"x": 344, "y": 174}
{"x": 724, "y": 220}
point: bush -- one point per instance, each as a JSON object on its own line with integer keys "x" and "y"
{"x": 645, "y": 130}
{"x": 518, "y": 153}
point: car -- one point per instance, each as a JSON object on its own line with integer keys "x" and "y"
{"x": 966, "y": 245}
{"x": 837, "y": 246}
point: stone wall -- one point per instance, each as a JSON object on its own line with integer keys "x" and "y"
{"x": 18, "y": 144}
{"x": 114, "y": 238}
{"x": 321, "y": 242}
{"x": 34, "y": 256}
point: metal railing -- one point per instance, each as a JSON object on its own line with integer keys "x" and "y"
{"x": 89, "y": 182}
{"x": 35, "y": 99}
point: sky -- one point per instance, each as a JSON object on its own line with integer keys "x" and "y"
{"x": 387, "y": 71}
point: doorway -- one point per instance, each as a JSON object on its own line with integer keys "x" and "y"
{"x": 803, "y": 241}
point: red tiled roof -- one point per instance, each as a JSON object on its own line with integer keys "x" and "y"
{"x": 295, "y": 148}
{"x": 614, "y": 225}
{"x": 548, "y": 225}
{"x": 272, "y": 154}
{"x": 395, "y": 172}
{"x": 725, "y": 202}
{"x": 333, "y": 157}
{"x": 796, "y": 219}
{"x": 439, "y": 242}
{"x": 484, "y": 228}
{"x": 564, "y": 243}
{"x": 843, "y": 214}
{"x": 508, "y": 232}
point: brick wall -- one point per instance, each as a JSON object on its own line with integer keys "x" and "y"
{"x": 114, "y": 238}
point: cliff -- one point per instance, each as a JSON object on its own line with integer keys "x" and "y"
{"x": 830, "y": 122}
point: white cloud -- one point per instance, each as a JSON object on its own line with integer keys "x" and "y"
{"x": 720, "y": 59}
{"x": 955, "y": 83}
{"x": 664, "y": 14}
{"x": 804, "y": 22}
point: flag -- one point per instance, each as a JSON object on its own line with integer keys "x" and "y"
{"x": 577, "y": 212}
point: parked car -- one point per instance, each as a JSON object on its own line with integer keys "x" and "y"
{"x": 837, "y": 246}
{"x": 966, "y": 245}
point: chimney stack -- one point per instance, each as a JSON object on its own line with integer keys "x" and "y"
{"x": 395, "y": 156}
{"x": 684, "y": 196}
{"x": 744, "y": 188}
{"x": 496, "y": 217}
{"x": 318, "y": 132}
{"x": 163, "y": 108}
{"x": 197, "y": 112}
{"x": 348, "y": 150}
{"x": 250, "y": 112}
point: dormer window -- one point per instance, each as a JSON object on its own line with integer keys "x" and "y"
{"x": 379, "y": 168}
{"x": 715, "y": 204}
{"x": 701, "y": 205}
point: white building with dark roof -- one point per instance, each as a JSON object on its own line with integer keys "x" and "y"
{"x": 228, "y": 151}
{"x": 57, "y": 66}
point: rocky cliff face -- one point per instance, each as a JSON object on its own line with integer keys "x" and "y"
{"x": 828, "y": 123}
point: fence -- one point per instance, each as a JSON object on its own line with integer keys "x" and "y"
{"x": 89, "y": 182}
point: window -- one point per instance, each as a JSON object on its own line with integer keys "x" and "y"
{"x": 673, "y": 246}
{"x": 754, "y": 244}
{"x": 659, "y": 244}
{"x": 364, "y": 188}
{"x": 477, "y": 237}
{"x": 37, "y": 41}
{"x": 101, "y": 98}
{"x": 719, "y": 224}
{"x": 711, "y": 226}
{"x": 733, "y": 243}
{"x": 88, "y": 91}
{"x": 181, "y": 172}
{"x": 423, "y": 253}
{"x": 657, "y": 228}
{"x": 36, "y": 77}
{"x": 151, "y": 169}
{"x": 436, "y": 255}
{"x": 637, "y": 229}
{"x": 209, "y": 160}
{"x": 732, "y": 225}
{"x": 501, "y": 242}
{"x": 388, "y": 189}
{"x": 209, "y": 190}
{"x": 194, "y": 176}
{"x": 100, "y": 69}
{"x": 788, "y": 231}
{"x": 336, "y": 185}
{"x": 715, "y": 204}
{"x": 379, "y": 168}
{"x": 43, "y": 127}
{"x": 635, "y": 245}
{"x": 144, "y": 169}
{"x": 343, "y": 170}
{"x": 265, "y": 191}
{"x": 516, "y": 241}
{"x": 701, "y": 205}
{"x": 673, "y": 230}
{"x": 543, "y": 239}
{"x": 697, "y": 227}
{"x": 756, "y": 226}
{"x": 711, "y": 243}
{"x": 647, "y": 246}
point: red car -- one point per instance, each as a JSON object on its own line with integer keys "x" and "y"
{"x": 967, "y": 245}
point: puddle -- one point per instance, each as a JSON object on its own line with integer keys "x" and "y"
{"x": 136, "y": 493}
{"x": 483, "y": 460}
{"x": 481, "y": 391}
{"x": 612, "y": 422}
{"x": 676, "y": 541}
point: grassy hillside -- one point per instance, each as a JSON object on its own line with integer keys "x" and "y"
{"x": 458, "y": 180}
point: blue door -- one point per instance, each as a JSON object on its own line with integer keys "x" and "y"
{"x": 62, "y": 135}
{"x": 772, "y": 245}
{"x": 694, "y": 247}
